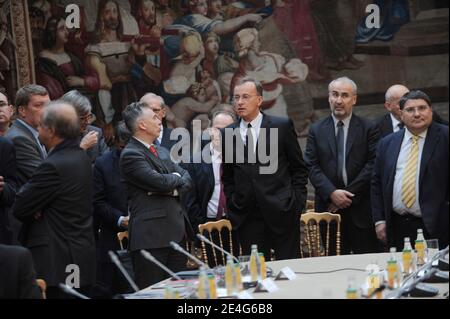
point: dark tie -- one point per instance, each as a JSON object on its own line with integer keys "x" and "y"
{"x": 340, "y": 151}
{"x": 400, "y": 125}
{"x": 249, "y": 137}
{"x": 222, "y": 200}
{"x": 153, "y": 150}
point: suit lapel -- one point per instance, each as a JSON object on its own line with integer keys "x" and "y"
{"x": 353, "y": 131}
{"x": 331, "y": 135}
{"x": 155, "y": 161}
{"x": 428, "y": 148}
{"x": 394, "y": 152}
{"x": 265, "y": 124}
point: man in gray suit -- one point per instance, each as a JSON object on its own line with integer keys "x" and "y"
{"x": 153, "y": 185}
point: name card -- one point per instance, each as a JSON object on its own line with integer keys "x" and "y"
{"x": 267, "y": 285}
{"x": 286, "y": 274}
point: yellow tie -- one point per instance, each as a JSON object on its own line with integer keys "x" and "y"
{"x": 410, "y": 174}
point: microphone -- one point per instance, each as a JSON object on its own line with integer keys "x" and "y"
{"x": 70, "y": 291}
{"x": 119, "y": 265}
{"x": 184, "y": 252}
{"x": 150, "y": 257}
{"x": 206, "y": 240}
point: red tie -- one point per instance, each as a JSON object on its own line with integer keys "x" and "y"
{"x": 222, "y": 200}
{"x": 153, "y": 150}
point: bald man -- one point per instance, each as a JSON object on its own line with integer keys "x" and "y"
{"x": 60, "y": 193}
{"x": 391, "y": 122}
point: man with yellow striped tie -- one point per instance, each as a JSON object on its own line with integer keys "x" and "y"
{"x": 410, "y": 185}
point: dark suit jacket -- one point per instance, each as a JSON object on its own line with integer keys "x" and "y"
{"x": 385, "y": 123}
{"x": 17, "y": 275}
{"x": 156, "y": 216}
{"x": 28, "y": 153}
{"x": 433, "y": 181}
{"x": 321, "y": 159}
{"x": 61, "y": 189}
{"x": 9, "y": 172}
{"x": 110, "y": 201}
{"x": 278, "y": 197}
{"x": 196, "y": 200}
{"x": 166, "y": 142}
{"x": 100, "y": 148}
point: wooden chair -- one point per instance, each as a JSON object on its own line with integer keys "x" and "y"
{"x": 309, "y": 206}
{"x": 43, "y": 287}
{"x": 207, "y": 230}
{"x": 121, "y": 236}
{"x": 312, "y": 233}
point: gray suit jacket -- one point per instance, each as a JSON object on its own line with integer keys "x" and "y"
{"x": 28, "y": 153}
{"x": 156, "y": 216}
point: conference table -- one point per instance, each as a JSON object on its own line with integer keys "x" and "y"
{"x": 322, "y": 277}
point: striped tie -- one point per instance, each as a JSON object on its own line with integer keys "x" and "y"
{"x": 410, "y": 173}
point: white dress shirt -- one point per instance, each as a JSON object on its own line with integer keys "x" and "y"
{"x": 346, "y": 125}
{"x": 256, "y": 126}
{"x": 395, "y": 123}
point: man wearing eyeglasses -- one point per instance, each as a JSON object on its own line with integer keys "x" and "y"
{"x": 340, "y": 154}
{"x": 410, "y": 181}
{"x": 264, "y": 207}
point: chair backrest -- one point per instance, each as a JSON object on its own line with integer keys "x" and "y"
{"x": 43, "y": 287}
{"x": 309, "y": 206}
{"x": 214, "y": 231}
{"x": 121, "y": 236}
{"x": 313, "y": 223}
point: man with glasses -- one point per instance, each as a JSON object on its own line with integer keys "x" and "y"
{"x": 264, "y": 207}
{"x": 410, "y": 181}
{"x": 340, "y": 154}
{"x": 392, "y": 122}
{"x": 6, "y": 112}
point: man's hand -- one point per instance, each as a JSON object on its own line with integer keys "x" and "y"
{"x": 333, "y": 208}
{"x": 341, "y": 198}
{"x": 124, "y": 222}
{"x": 89, "y": 140}
{"x": 380, "y": 229}
{"x": 2, "y": 184}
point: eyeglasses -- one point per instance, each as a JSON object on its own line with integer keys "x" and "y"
{"x": 412, "y": 110}
{"x": 344, "y": 96}
{"x": 245, "y": 98}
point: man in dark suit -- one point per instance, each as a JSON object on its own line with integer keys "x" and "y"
{"x": 153, "y": 185}
{"x": 17, "y": 275}
{"x": 8, "y": 185}
{"x": 340, "y": 153}
{"x": 30, "y": 102}
{"x": 410, "y": 180}
{"x": 206, "y": 200}
{"x": 60, "y": 193}
{"x": 92, "y": 140}
{"x": 392, "y": 122}
{"x": 110, "y": 207}
{"x": 264, "y": 198}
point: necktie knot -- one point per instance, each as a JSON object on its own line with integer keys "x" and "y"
{"x": 340, "y": 124}
{"x": 153, "y": 150}
{"x": 415, "y": 138}
{"x": 401, "y": 125}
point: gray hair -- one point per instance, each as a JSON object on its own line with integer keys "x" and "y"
{"x": 80, "y": 102}
{"x": 258, "y": 86}
{"x": 153, "y": 96}
{"x": 24, "y": 94}
{"x": 62, "y": 117}
{"x": 392, "y": 92}
{"x": 123, "y": 135}
{"x": 132, "y": 113}
{"x": 345, "y": 80}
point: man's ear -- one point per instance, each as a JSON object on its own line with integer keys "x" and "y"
{"x": 21, "y": 110}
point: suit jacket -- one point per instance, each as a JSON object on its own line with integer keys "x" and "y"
{"x": 385, "y": 123}
{"x": 110, "y": 201}
{"x": 9, "y": 172}
{"x": 196, "y": 200}
{"x": 28, "y": 153}
{"x": 17, "y": 275}
{"x": 321, "y": 159}
{"x": 100, "y": 148}
{"x": 166, "y": 142}
{"x": 278, "y": 197}
{"x": 433, "y": 181}
{"x": 156, "y": 216}
{"x": 61, "y": 189}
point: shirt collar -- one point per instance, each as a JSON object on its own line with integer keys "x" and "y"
{"x": 395, "y": 122}
{"x": 346, "y": 121}
{"x": 408, "y": 134}
{"x": 256, "y": 123}
{"x": 142, "y": 142}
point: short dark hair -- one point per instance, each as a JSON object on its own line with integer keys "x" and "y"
{"x": 131, "y": 114}
{"x": 24, "y": 94}
{"x": 414, "y": 95}
{"x": 55, "y": 116}
{"x": 49, "y": 38}
{"x": 123, "y": 135}
{"x": 258, "y": 85}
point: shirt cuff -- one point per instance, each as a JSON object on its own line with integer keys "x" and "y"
{"x": 119, "y": 221}
{"x": 380, "y": 222}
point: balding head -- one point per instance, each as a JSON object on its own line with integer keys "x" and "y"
{"x": 59, "y": 122}
{"x": 392, "y": 98}
{"x": 156, "y": 103}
